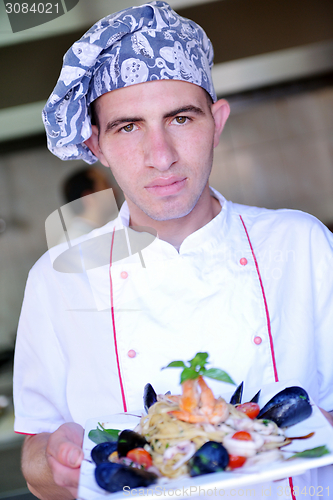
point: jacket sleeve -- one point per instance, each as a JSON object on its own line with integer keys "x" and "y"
{"x": 39, "y": 366}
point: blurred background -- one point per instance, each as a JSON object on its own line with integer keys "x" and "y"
{"x": 273, "y": 62}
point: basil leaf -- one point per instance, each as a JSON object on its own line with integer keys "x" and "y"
{"x": 197, "y": 368}
{"x": 114, "y": 433}
{"x": 200, "y": 359}
{"x": 319, "y": 451}
{"x": 103, "y": 435}
{"x": 175, "y": 364}
{"x": 188, "y": 374}
{"x": 217, "y": 374}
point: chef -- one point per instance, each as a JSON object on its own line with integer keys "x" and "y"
{"x": 181, "y": 270}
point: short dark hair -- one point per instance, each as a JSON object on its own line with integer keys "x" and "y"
{"x": 74, "y": 187}
{"x": 94, "y": 114}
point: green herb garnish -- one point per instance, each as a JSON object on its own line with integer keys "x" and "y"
{"x": 197, "y": 367}
{"x": 101, "y": 435}
{"x": 319, "y": 451}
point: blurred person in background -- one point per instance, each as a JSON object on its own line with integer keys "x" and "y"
{"x": 89, "y": 210}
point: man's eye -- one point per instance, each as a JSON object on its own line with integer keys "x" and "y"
{"x": 128, "y": 128}
{"x": 181, "y": 119}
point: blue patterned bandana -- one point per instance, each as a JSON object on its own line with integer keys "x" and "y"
{"x": 136, "y": 45}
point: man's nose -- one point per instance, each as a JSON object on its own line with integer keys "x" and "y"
{"x": 159, "y": 148}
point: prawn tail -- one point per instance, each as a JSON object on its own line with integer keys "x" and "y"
{"x": 186, "y": 416}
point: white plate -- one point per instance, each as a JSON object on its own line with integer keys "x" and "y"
{"x": 89, "y": 490}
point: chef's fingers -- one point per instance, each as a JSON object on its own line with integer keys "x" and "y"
{"x": 65, "y": 445}
{"x": 64, "y": 476}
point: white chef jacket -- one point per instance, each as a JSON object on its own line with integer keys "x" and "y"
{"x": 252, "y": 288}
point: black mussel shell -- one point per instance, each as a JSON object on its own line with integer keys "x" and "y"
{"x": 149, "y": 396}
{"x": 128, "y": 440}
{"x": 101, "y": 452}
{"x": 255, "y": 398}
{"x": 104, "y": 473}
{"x": 236, "y": 398}
{"x": 211, "y": 457}
{"x": 288, "y": 407}
{"x": 114, "y": 477}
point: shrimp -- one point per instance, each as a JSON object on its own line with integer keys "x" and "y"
{"x": 208, "y": 402}
{"x": 200, "y": 407}
{"x": 190, "y": 398}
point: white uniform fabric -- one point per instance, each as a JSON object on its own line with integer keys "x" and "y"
{"x": 79, "y": 226}
{"x": 71, "y": 349}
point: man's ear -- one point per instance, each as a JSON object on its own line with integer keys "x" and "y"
{"x": 93, "y": 145}
{"x": 220, "y": 111}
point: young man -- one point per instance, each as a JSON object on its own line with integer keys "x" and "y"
{"x": 250, "y": 286}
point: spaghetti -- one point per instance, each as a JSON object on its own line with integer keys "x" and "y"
{"x": 173, "y": 442}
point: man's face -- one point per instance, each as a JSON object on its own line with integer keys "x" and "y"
{"x": 158, "y": 139}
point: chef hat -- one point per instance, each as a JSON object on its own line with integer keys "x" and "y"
{"x": 136, "y": 45}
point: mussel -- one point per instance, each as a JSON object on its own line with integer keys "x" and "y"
{"x": 236, "y": 398}
{"x": 149, "y": 397}
{"x": 288, "y": 407}
{"x": 255, "y": 398}
{"x": 114, "y": 477}
{"x": 211, "y": 457}
{"x": 101, "y": 452}
{"x": 128, "y": 440}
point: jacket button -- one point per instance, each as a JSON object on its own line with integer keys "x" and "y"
{"x": 243, "y": 261}
{"x": 124, "y": 275}
{"x": 131, "y": 353}
{"x": 257, "y": 340}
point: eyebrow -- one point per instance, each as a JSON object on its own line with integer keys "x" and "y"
{"x": 127, "y": 119}
{"x": 185, "y": 109}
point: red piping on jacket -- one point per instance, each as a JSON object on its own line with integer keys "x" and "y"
{"x": 291, "y": 486}
{"x": 114, "y": 328}
{"x": 268, "y": 328}
{"x": 265, "y": 302}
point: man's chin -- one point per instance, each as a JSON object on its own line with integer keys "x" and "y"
{"x": 167, "y": 215}
{"x": 165, "y": 210}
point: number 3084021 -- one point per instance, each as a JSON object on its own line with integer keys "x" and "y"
{"x": 35, "y": 8}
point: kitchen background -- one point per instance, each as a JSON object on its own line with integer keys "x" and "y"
{"x": 274, "y": 63}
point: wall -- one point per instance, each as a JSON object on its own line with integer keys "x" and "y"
{"x": 279, "y": 153}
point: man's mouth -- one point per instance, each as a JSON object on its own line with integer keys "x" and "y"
{"x": 166, "y": 185}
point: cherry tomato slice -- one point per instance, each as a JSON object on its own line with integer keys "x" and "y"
{"x": 242, "y": 436}
{"x": 250, "y": 409}
{"x": 141, "y": 457}
{"x": 236, "y": 461}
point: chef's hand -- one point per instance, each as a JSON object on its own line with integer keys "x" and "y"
{"x": 328, "y": 415}
{"x": 64, "y": 455}
{"x": 51, "y": 462}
